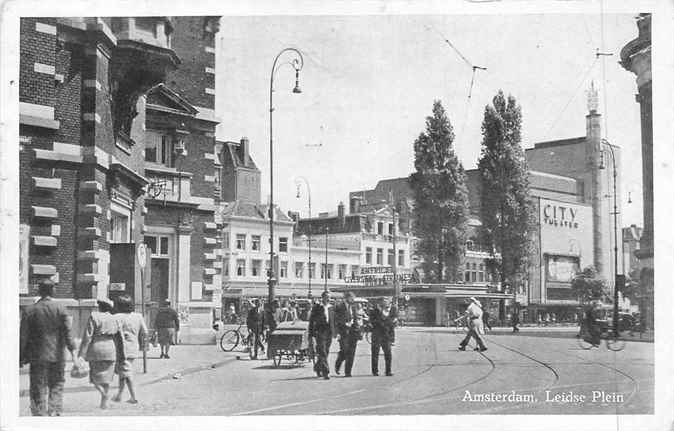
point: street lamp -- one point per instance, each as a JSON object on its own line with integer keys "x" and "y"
{"x": 615, "y": 231}
{"x": 298, "y": 182}
{"x": 297, "y": 64}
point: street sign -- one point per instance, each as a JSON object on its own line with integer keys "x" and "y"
{"x": 141, "y": 252}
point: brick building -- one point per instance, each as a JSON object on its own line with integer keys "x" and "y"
{"x": 91, "y": 102}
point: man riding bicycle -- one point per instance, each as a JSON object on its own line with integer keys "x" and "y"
{"x": 592, "y": 324}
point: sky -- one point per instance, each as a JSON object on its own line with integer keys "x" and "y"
{"x": 369, "y": 81}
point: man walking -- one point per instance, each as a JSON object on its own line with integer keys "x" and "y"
{"x": 255, "y": 323}
{"x": 349, "y": 332}
{"x": 475, "y": 328}
{"x": 322, "y": 330}
{"x": 383, "y": 319}
{"x": 46, "y": 331}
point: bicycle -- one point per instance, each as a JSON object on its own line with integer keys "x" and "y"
{"x": 613, "y": 342}
{"x": 233, "y": 337}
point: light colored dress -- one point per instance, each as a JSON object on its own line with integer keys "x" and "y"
{"x": 134, "y": 331}
{"x": 99, "y": 347}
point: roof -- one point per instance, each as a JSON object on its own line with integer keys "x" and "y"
{"x": 235, "y": 155}
{"x": 558, "y": 143}
{"x": 352, "y": 223}
{"x": 250, "y": 210}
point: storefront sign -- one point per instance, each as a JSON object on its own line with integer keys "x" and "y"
{"x": 560, "y": 215}
{"x": 117, "y": 287}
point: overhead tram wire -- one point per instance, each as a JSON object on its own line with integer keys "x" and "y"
{"x": 473, "y": 67}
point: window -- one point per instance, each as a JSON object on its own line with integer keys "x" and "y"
{"x": 341, "y": 272}
{"x": 241, "y": 241}
{"x": 380, "y": 228}
{"x": 480, "y": 274}
{"x": 368, "y": 255}
{"x": 284, "y": 270}
{"x": 473, "y": 273}
{"x": 401, "y": 257}
{"x": 323, "y": 270}
{"x": 330, "y": 270}
{"x": 355, "y": 270}
{"x": 380, "y": 256}
{"x": 299, "y": 270}
{"x": 256, "y": 268}
{"x": 119, "y": 227}
{"x": 283, "y": 244}
{"x": 312, "y": 270}
{"x": 390, "y": 228}
{"x": 241, "y": 267}
{"x": 225, "y": 240}
{"x": 158, "y": 245}
{"x": 466, "y": 274}
{"x": 391, "y": 257}
{"x": 225, "y": 267}
{"x": 158, "y": 148}
{"x": 255, "y": 239}
{"x": 267, "y": 268}
{"x": 469, "y": 245}
{"x": 326, "y": 271}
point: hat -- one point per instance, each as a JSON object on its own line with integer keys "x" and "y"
{"x": 106, "y": 301}
{"x": 473, "y": 299}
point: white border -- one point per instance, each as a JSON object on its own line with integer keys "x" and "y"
{"x": 663, "y": 67}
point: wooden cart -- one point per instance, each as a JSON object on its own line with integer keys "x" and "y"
{"x": 290, "y": 341}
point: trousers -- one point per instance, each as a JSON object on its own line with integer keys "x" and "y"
{"x": 46, "y": 388}
{"x": 380, "y": 343}
{"x": 348, "y": 341}
{"x": 474, "y": 329}
{"x": 323, "y": 341}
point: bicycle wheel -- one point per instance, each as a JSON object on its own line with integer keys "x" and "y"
{"x": 229, "y": 340}
{"x": 615, "y": 344}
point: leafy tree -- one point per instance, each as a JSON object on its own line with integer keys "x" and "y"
{"x": 587, "y": 287}
{"x": 506, "y": 209}
{"x": 441, "y": 199}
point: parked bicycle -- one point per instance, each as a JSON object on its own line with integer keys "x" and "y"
{"x": 235, "y": 337}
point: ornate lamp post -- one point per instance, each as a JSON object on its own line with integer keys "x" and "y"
{"x": 616, "y": 283}
{"x": 298, "y": 182}
{"x": 297, "y": 64}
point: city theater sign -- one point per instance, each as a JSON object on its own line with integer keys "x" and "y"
{"x": 560, "y": 215}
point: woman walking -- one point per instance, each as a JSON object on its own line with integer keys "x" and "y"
{"x": 167, "y": 323}
{"x": 100, "y": 342}
{"x": 133, "y": 331}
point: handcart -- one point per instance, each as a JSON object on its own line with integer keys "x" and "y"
{"x": 290, "y": 341}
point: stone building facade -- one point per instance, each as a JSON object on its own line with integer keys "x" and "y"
{"x": 90, "y": 94}
{"x": 636, "y": 58}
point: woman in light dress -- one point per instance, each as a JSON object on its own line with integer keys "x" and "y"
{"x": 100, "y": 343}
{"x": 134, "y": 332}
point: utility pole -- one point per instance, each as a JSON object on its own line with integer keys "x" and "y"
{"x": 325, "y": 272}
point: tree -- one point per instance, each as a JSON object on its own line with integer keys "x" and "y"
{"x": 587, "y": 287}
{"x": 506, "y": 209}
{"x": 441, "y": 199}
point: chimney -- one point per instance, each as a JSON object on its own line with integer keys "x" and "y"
{"x": 244, "y": 151}
{"x": 595, "y": 192}
{"x": 340, "y": 214}
{"x": 354, "y": 205}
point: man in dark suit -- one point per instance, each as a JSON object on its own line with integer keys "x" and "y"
{"x": 383, "y": 319}
{"x": 322, "y": 329}
{"x": 255, "y": 323}
{"x": 349, "y": 333}
{"x": 46, "y": 331}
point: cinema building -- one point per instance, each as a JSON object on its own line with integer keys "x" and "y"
{"x": 571, "y": 187}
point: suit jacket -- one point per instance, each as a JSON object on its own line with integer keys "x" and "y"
{"x": 255, "y": 320}
{"x": 46, "y": 330}
{"x": 318, "y": 322}
{"x": 383, "y": 326}
{"x": 344, "y": 315}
